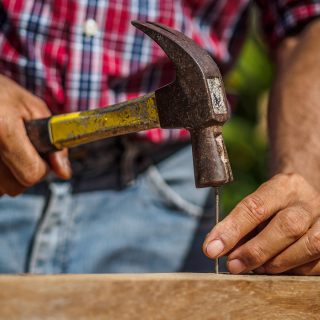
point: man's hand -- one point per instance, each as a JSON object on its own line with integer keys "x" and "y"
{"x": 277, "y": 228}
{"x": 20, "y": 164}
{"x": 274, "y": 230}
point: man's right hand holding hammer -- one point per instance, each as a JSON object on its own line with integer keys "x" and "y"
{"x": 20, "y": 164}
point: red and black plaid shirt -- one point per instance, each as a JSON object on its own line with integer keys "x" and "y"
{"x": 45, "y": 48}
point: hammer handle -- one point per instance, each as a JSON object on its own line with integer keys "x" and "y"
{"x": 68, "y": 130}
{"x": 38, "y": 132}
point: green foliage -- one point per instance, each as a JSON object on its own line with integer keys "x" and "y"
{"x": 247, "y": 154}
{"x": 245, "y": 140}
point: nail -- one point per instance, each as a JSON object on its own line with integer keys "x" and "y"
{"x": 235, "y": 266}
{"x": 214, "y": 248}
{"x": 260, "y": 270}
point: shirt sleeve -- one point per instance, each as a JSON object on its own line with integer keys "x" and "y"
{"x": 279, "y": 17}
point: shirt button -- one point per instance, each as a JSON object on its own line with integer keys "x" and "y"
{"x": 90, "y": 28}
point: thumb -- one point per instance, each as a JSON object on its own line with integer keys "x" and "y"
{"x": 60, "y": 164}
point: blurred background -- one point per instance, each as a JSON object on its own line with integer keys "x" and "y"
{"x": 245, "y": 133}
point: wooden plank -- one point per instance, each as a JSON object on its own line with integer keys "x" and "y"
{"x": 159, "y": 296}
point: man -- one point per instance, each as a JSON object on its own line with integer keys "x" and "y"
{"x": 131, "y": 205}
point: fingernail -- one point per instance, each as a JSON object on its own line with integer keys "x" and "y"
{"x": 214, "y": 248}
{"x": 260, "y": 270}
{"x": 235, "y": 266}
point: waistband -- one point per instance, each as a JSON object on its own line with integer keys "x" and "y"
{"x": 120, "y": 159}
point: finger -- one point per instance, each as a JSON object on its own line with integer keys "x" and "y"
{"x": 305, "y": 250}
{"x": 17, "y": 152}
{"x": 28, "y": 105}
{"x": 60, "y": 164}
{"x": 8, "y": 183}
{"x": 283, "y": 230}
{"x": 249, "y": 236}
{"x": 244, "y": 240}
{"x": 255, "y": 209}
{"x": 262, "y": 225}
{"x": 38, "y": 108}
{"x": 309, "y": 269}
{"x": 259, "y": 270}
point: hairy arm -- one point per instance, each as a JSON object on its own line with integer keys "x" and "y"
{"x": 294, "y": 108}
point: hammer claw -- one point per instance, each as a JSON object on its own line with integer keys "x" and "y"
{"x": 159, "y": 34}
{"x": 153, "y": 26}
{"x": 173, "y": 31}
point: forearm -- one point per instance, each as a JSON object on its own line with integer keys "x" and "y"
{"x": 294, "y": 108}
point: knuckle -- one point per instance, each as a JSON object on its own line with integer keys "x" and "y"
{"x": 303, "y": 270}
{"x": 315, "y": 202}
{"x": 234, "y": 231}
{"x": 292, "y": 179}
{"x": 231, "y": 235}
{"x": 255, "y": 208}
{"x": 270, "y": 268}
{"x": 41, "y": 103}
{"x": 42, "y": 106}
{"x": 313, "y": 243}
{"x": 273, "y": 266}
{"x": 255, "y": 255}
{"x": 30, "y": 175}
{"x": 5, "y": 135}
{"x": 294, "y": 223}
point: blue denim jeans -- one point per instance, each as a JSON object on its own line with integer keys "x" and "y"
{"x": 149, "y": 226}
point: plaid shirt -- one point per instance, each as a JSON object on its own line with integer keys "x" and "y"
{"x": 45, "y": 48}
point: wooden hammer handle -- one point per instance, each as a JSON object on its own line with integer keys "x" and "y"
{"x": 69, "y": 130}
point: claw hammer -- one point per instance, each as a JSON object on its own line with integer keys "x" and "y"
{"x": 195, "y": 101}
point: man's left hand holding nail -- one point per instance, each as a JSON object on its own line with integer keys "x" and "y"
{"x": 274, "y": 230}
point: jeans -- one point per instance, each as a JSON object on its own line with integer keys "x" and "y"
{"x": 149, "y": 226}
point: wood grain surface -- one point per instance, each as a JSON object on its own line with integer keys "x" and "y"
{"x": 159, "y": 296}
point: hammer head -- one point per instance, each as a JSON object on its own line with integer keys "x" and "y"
{"x": 195, "y": 101}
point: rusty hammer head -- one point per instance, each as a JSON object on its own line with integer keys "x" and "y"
{"x": 195, "y": 100}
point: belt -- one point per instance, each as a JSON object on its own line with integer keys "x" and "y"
{"x": 119, "y": 159}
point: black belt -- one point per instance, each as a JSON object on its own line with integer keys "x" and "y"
{"x": 119, "y": 159}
